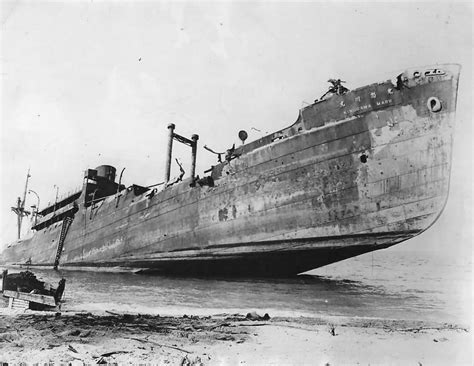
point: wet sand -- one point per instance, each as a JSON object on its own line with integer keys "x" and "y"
{"x": 99, "y": 338}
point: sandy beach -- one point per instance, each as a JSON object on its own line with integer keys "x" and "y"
{"x": 224, "y": 339}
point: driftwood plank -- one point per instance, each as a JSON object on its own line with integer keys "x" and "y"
{"x": 40, "y": 299}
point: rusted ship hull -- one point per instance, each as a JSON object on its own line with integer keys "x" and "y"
{"x": 355, "y": 173}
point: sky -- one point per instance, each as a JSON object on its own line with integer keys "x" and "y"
{"x": 97, "y": 82}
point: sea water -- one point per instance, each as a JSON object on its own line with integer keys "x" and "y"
{"x": 389, "y": 284}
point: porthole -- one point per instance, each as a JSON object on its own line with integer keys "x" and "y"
{"x": 434, "y": 104}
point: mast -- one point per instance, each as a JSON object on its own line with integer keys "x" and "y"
{"x": 19, "y": 210}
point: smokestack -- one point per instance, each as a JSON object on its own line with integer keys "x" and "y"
{"x": 171, "y": 127}
{"x": 193, "y": 155}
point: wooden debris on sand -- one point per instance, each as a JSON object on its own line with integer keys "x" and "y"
{"x": 24, "y": 291}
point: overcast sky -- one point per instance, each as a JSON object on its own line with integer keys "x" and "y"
{"x": 90, "y": 83}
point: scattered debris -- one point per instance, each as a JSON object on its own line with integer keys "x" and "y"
{"x": 226, "y": 337}
{"x": 108, "y": 354}
{"x": 25, "y": 291}
{"x": 188, "y": 362}
{"x": 254, "y": 316}
{"x": 118, "y": 339}
{"x": 111, "y": 312}
{"x": 160, "y": 344}
{"x": 332, "y": 329}
{"x": 71, "y": 348}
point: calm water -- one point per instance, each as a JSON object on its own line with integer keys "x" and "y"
{"x": 388, "y": 284}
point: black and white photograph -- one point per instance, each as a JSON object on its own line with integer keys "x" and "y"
{"x": 199, "y": 183}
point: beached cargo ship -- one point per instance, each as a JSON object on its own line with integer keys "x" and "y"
{"x": 358, "y": 171}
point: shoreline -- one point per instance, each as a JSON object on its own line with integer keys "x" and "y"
{"x": 131, "y": 338}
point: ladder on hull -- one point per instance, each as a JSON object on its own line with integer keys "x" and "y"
{"x": 64, "y": 229}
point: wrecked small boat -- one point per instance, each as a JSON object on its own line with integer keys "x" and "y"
{"x": 25, "y": 290}
{"x": 359, "y": 170}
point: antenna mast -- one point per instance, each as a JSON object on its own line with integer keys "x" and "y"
{"x": 26, "y": 189}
